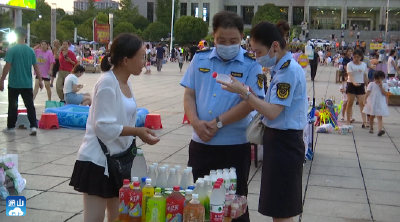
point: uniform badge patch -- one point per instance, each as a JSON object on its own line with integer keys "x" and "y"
{"x": 237, "y": 74}
{"x": 260, "y": 81}
{"x": 282, "y": 90}
{"x": 286, "y": 64}
{"x": 204, "y": 70}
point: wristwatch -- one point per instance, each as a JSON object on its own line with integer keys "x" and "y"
{"x": 219, "y": 123}
{"x": 246, "y": 97}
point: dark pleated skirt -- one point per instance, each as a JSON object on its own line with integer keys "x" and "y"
{"x": 89, "y": 178}
{"x": 281, "y": 182}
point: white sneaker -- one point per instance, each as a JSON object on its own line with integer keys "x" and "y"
{"x": 33, "y": 131}
{"x": 9, "y": 130}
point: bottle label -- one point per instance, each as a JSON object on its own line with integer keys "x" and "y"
{"x": 135, "y": 205}
{"x": 123, "y": 202}
{"x": 217, "y": 213}
{"x": 233, "y": 184}
{"x": 174, "y": 211}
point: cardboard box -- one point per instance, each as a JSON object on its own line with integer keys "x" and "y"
{"x": 394, "y": 100}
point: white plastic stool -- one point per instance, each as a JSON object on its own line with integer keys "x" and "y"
{"x": 23, "y": 120}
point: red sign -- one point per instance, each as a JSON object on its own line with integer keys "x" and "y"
{"x": 101, "y": 33}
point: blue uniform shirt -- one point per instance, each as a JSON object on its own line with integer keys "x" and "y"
{"x": 288, "y": 88}
{"x": 212, "y": 100}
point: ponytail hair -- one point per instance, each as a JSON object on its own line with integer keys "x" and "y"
{"x": 78, "y": 68}
{"x": 266, "y": 33}
{"x": 105, "y": 63}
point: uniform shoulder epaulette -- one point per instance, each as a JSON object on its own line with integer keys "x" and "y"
{"x": 250, "y": 55}
{"x": 203, "y": 50}
{"x": 286, "y": 64}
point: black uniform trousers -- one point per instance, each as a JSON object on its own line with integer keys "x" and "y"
{"x": 203, "y": 158}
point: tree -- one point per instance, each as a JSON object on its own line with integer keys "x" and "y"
{"x": 42, "y": 8}
{"x": 102, "y": 18}
{"x": 140, "y": 22}
{"x": 267, "y": 12}
{"x": 67, "y": 29}
{"x": 155, "y": 32}
{"x": 164, "y": 11}
{"x": 41, "y": 30}
{"x": 124, "y": 27}
{"x": 85, "y": 32}
{"x": 188, "y": 29}
{"x": 60, "y": 14}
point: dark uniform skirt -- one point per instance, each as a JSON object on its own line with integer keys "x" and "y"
{"x": 281, "y": 183}
{"x": 89, "y": 178}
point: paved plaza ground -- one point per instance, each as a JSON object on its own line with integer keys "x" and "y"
{"x": 353, "y": 178}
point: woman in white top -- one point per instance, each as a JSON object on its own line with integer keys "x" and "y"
{"x": 392, "y": 68}
{"x": 71, "y": 87}
{"x": 357, "y": 78}
{"x": 111, "y": 120}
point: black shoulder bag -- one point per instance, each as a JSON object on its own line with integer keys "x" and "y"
{"x": 119, "y": 165}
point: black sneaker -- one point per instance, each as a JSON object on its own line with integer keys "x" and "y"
{"x": 381, "y": 132}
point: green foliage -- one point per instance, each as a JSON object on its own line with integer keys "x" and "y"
{"x": 40, "y": 30}
{"x": 102, "y": 18}
{"x": 267, "y": 12}
{"x": 42, "y": 8}
{"x": 164, "y": 11}
{"x": 210, "y": 40}
{"x": 188, "y": 29}
{"x": 140, "y": 22}
{"x": 124, "y": 27}
{"x": 294, "y": 32}
{"x": 85, "y": 32}
{"x": 246, "y": 32}
{"x": 155, "y": 32}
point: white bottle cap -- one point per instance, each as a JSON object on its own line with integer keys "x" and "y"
{"x": 177, "y": 167}
{"x": 226, "y": 169}
{"x": 155, "y": 165}
{"x": 212, "y": 172}
{"x": 148, "y": 180}
{"x": 233, "y": 169}
{"x": 186, "y": 171}
{"x": 207, "y": 178}
{"x": 195, "y": 196}
{"x": 190, "y": 168}
{"x": 189, "y": 191}
{"x": 166, "y": 166}
{"x": 162, "y": 169}
{"x": 134, "y": 179}
{"x": 152, "y": 167}
{"x": 172, "y": 170}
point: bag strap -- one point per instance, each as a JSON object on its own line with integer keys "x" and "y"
{"x": 103, "y": 147}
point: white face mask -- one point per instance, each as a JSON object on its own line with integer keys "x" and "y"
{"x": 228, "y": 52}
{"x": 266, "y": 60}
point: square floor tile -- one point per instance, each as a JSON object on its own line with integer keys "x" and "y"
{"x": 53, "y": 170}
{"x": 337, "y": 209}
{"x": 57, "y": 202}
{"x": 40, "y": 182}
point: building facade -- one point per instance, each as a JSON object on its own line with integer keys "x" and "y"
{"x": 101, "y": 4}
{"x": 320, "y": 14}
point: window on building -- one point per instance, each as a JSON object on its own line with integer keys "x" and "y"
{"x": 247, "y": 14}
{"x": 206, "y": 12}
{"x": 231, "y": 8}
{"x": 150, "y": 11}
{"x": 284, "y": 11}
{"x": 183, "y": 9}
{"x": 298, "y": 15}
{"x": 195, "y": 9}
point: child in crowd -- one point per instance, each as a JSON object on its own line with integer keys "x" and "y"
{"x": 180, "y": 61}
{"x": 71, "y": 87}
{"x": 371, "y": 71}
{"x": 376, "y": 101}
{"x": 343, "y": 89}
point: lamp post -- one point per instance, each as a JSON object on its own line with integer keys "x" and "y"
{"x": 172, "y": 26}
{"x": 28, "y": 34}
{"x": 18, "y": 18}
{"x": 387, "y": 20}
{"x": 53, "y": 34}
{"x": 111, "y": 23}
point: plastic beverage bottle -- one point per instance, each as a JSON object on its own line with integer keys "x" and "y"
{"x": 135, "y": 205}
{"x": 227, "y": 181}
{"x": 166, "y": 168}
{"x": 143, "y": 182}
{"x": 222, "y": 77}
{"x": 156, "y": 205}
{"x": 175, "y": 205}
{"x": 172, "y": 179}
{"x": 208, "y": 190}
{"x": 134, "y": 179}
{"x": 124, "y": 194}
{"x": 213, "y": 176}
{"x": 139, "y": 166}
{"x": 220, "y": 174}
{"x": 148, "y": 192}
{"x": 162, "y": 179}
{"x": 188, "y": 196}
{"x": 178, "y": 173}
{"x": 185, "y": 181}
{"x": 233, "y": 181}
{"x": 217, "y": 204}
{"x": 152, "y": 175}
{"x": 191, "y": 176}
{"x": 194, "y": 211}
{"x": 221, "y": 183}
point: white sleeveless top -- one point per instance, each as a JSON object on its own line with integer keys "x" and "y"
{"x": 130, "y": 107}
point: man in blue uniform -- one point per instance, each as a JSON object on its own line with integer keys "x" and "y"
{"x": 220, "y": 118}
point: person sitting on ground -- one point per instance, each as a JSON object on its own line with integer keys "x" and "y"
{"x": 71, "y": 87}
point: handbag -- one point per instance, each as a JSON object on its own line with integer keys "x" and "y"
{"x": 255, "y": 130}
{"x": 119, "y": 165}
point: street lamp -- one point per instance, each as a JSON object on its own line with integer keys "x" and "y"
{"x": 53, "y": 22}
{"x": 172, "y": 27}
{"x": 387, "y": 20}
{"x": 111, "y": 23}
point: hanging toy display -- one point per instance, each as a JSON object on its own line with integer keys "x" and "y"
{"x": 327, "y": 114}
